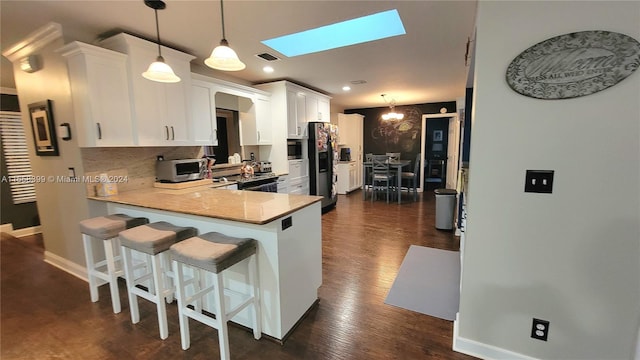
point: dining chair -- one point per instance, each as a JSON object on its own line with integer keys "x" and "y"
{"x": 382, "y": 179}
{"x": 412, "y": 177}
{"x": 367, "y": 182}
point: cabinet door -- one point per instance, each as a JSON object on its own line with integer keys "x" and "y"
{"x": 312, "y": 108}
{"x": 100, "y": 93}
{"x": 178, "y": 103}
{"x": 324, "y": 110}
{"x": 293, "y": 130}
{"x": 203, "y": 114}
{"x": 353, "y": 177}
{"x": 263, "y": 121}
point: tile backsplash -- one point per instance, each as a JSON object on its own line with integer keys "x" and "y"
{"x": 135, "y": 166}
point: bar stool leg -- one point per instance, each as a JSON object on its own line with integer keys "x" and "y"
{"x": 221, "y": 317}
{"x": 113, "y": 275}
{"x": 185, "y": 339}
{"x": 128, "y": 271}
{"x": 88, "y": 254}
{"x": 166, "y": 276}
{"x": 160, "y": 292}
{"x": 254, "y": 281}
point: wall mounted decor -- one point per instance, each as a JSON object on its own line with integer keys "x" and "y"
{"x": 574, "y": 65}
{"x": 44, "y": 129}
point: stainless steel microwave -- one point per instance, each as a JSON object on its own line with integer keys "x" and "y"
{"x": 294, "y": 149}
{"x": 179, "y": 170}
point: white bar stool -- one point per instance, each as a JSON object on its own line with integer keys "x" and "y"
{"x": 215, "y": 252}
{"x": 153, "y": 240}
{"x": 106, "y": 229}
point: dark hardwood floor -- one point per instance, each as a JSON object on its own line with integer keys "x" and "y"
{"x": 46, "y": 313}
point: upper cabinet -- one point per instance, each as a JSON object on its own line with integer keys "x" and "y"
{"x": 100, "y": 93}
{"x": 204, "y": 124}
{"x": 298, "y": 105}
{"x": 161, "y": 110}
{"x": 253, "y": 106}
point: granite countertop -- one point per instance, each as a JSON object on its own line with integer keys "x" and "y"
{"x": 251, "y": 207}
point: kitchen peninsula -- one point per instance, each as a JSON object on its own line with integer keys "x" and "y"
{"x": 287, "y": 228}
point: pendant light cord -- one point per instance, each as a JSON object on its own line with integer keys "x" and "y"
{"x": 222, "y": 15}
{"x": 158, "y": 33}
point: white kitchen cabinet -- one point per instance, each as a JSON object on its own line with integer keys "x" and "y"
{"x": 318, "y": 108}
{"x": 255, "y": 121}
{"x": 299, "y": 186}
{"x": 298, "y": 105}
{"x": 299, "y": 177}
{"x": 161, "y": 111}
{"x": 283, "y": 184}
{"x": 204, "y": 125}
{"x": 296, "y": 114}
{"x": 351, "y": 136}
{"x": 100, "y": 93}
{"x": 348, "y": 179}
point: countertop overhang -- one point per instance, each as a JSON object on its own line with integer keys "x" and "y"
{"x": 251, "y": 207}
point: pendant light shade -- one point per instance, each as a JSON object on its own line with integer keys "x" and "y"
{"x": 159, "y": 70}
{"x": 223, "y": 57}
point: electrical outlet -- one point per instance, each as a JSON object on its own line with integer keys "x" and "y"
{"x": 539, "y": 181}
{"x": 287, "y": 223}
{"x": 540, "y": 329}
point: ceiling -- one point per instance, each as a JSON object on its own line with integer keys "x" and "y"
{"x": 425, "y": 65}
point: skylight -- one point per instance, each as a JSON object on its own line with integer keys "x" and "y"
{"x": 355, "y": 31}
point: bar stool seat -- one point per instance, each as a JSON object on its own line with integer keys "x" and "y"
{"x": 214, "y": 252}
{"x": 153, "y": 240}
{"x": 106, "y": 228}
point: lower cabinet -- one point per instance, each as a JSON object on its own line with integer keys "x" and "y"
{"x": 299, "y": 185}
{"x": 347, "y": 177}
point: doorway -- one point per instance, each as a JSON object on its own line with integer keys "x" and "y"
{"x": 439, "y": 150}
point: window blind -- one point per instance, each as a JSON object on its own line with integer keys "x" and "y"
{"x": 16, "y": 157}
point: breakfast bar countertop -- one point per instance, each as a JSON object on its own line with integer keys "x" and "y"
{"x": 251, "y": 207}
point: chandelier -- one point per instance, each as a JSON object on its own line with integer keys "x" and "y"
{"x": 391, "y": 115}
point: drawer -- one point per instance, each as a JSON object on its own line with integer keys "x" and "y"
{"x": 297, "y": 168}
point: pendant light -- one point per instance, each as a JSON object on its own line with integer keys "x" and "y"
{"x": 391, "y": 115}
{"x": 223, "y": 57}
{"x": 159, "y": 70}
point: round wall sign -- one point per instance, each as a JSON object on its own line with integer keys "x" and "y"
{"x": 574, "y": 65}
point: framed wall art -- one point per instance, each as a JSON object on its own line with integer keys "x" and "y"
{"x": 44, "y": 129}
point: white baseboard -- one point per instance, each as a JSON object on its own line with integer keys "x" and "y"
{"x": 6, "y": 228}
{"x": 27, "y": 231}
{"x": 481, "y": 350}
{"x": 66, "y": 265}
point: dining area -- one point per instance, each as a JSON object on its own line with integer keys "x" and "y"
{"x": 387, "y": 176}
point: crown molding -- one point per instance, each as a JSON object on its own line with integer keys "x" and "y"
{"x": 34, "y": 41}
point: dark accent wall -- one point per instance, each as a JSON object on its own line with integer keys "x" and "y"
{"x": 403, "y": 136}
{"x": 20, "y": 215}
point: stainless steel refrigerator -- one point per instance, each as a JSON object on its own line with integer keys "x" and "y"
{"x": 323, "y": 157}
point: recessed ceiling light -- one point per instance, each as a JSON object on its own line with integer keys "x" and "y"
{"x": 355, "y": 31}
{"x": 346, "y": 88}
{"x": 267, "y": 69}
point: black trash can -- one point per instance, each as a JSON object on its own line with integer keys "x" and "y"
{"x": 445, "y": 208}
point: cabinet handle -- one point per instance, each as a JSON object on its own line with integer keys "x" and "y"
{"x": 214, "y": 135}
{"x": 99, "y": 131}
{"x": 166, "y": 130}
{"x": 298, "y": 131}
{"x": 258, "y": 136}
{"x": 173, "y": 134}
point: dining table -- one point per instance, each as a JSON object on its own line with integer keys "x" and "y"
{"x": 398, "y": 165}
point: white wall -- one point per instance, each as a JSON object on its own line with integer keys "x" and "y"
{"x": 571, "y": 257}
{"x": 61, "y": 206}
